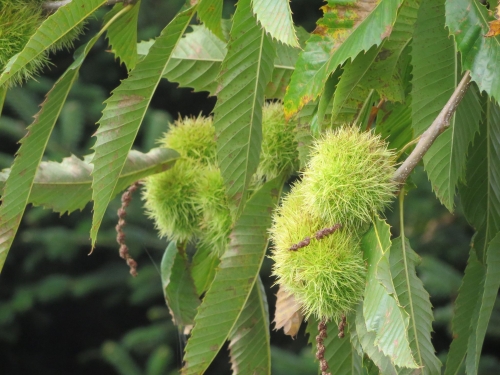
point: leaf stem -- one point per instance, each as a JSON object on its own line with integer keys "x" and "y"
{"x": 440, "y": 124}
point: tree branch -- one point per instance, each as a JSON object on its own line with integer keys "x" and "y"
{"x": 52, "y": 6}
{"x": 440, "y": 124}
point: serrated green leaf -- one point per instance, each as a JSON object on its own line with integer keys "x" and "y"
{"x": 481, "y": 194}
{"x": 468, "y": 22}
{"x": 203, "y": 268}
{"x": 210, "y": 13}
{"x": 66, "y": 187}
{"x": 303, "y": 134}
{"x": 415, "y": 299}
{"x": 245, "y": 72}
{"x": 464, "y": 309}
{"x": 348, "y": 90}
{"x": 487, "y": 296}
{"x": 249, "y": 347}
{"x": 18, "y": 185}
{"x": 362, "y": 337}
{"x": 434, "y": 65}
{"x": 384, "y": 75}
{"x": 325, "y": 103}
{"x": 342, "y": 358}
{"x": 122, "y": 34}
{"x": 178, "y": 286}
{"x": 197, "y": 59}
{"x": 446, "y": 159}
{"x": 276, "y": 18}
{"x": 55, "y": 27}
{"x": 394, "y": 124}
{"x": 346, "y": 29}
{"x": 123, "y": 115}
{"x": 382, "y": 312}
{"x": 234, "y": 280}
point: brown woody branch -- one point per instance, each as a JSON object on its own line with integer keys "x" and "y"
{"x": 440, "y": 124}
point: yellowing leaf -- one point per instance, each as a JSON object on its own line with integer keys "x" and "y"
{"x": 287, "y": 315}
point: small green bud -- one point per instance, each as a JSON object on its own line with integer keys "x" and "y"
{"x": 211, "y": 204}
{"x": 327, "y": 275}
{"x": 349, "y": 177}
{"x": 192, "y": 138}
{"x": 170, "y": 201}
{"x": 279, "y": 148}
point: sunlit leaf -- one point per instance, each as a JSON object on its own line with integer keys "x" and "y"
{"x": 276, "y": 18}
{"x": 468, "y": 22}
{"x": 178, "y": 286}
{"x": 415, "y": 300}
{"x": 55, "y": 27}
{"x": 382, "y": 312}
{"x": 122, "y": 34}
{"x": 249, "y": 340}
{"x": 123, "y": 115}
{"x": 66, "y": 186}
{"x": 346, "y": 29}
{"x": 245, "y": 72}
{"x": 229, "y": 291}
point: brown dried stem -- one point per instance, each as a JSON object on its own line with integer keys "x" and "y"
{"x": 320, "y": 234}
{"x": 320, "y": 354}
{"x": 120, "y": 235}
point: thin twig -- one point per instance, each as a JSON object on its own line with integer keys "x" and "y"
{"x": 320, "y": 354}
{"x": 120, "y": 235}
{"x": 440, "y": 124}
{"x": 52, "y": 6}
{"x": 342, "y": 325}
{"x": 319, "y": 235}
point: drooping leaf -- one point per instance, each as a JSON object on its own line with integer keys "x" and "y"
{"x": 210, "y": 13}
{"x": 325, "y": 102}
{"x": 350, "y": 92}
{"x": 346, "y": 29}
{"x": 197, "y": 59}
{"x": 66, "y": 186}
{"x": 122, "y": 34}
{"x": 382, "y": 312}
{"x": 245, "y": 72}
{"x": 415, "y": 300}
{"x": 203, "y": 268}
{"x": 487, "y": 296}
{"x": 342, "y": 358}
{"x": 18, "y": 184}
{"x": 55, "y": 27}
{"x": 468, "y": 22}
{"x": 276, "y": 18}
{"x": 434, "y": 65}
{"x": 234, "y": 280}
{"x": 124, "y": 112}
{"x": 360, "y": 336}
{"x": 178, "y": 286}
{"x": 288, "y": 314}
{"x": 384, "y": 75}
{"x": 480, "y": 195}
{"x": 303, "y": 134}
{"x": 249, "y": 340}
{"x": 464, "y": 309}
{"x": 446, "y": 159}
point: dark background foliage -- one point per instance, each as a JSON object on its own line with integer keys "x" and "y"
{"x": 62, "y": 311}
